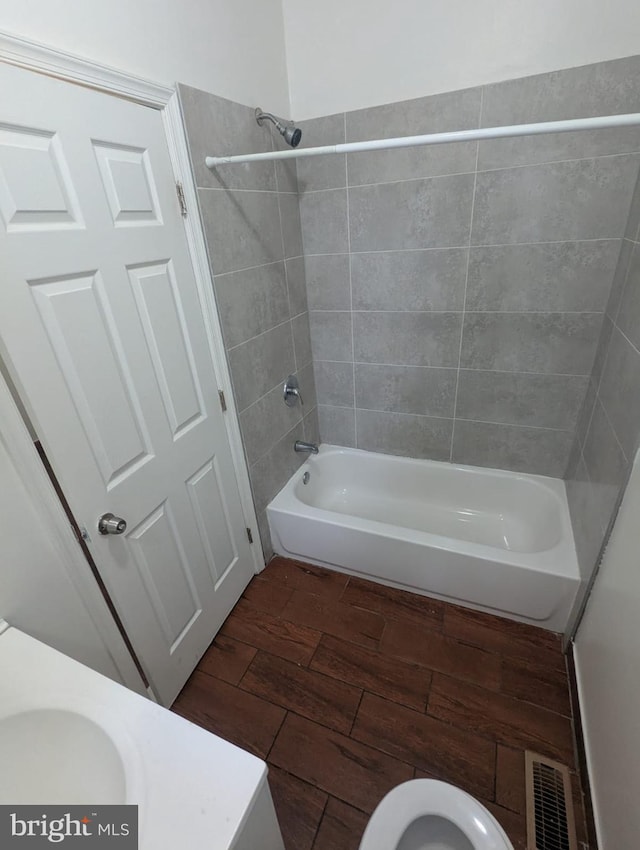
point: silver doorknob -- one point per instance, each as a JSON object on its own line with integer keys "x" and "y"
{"x": 110, "y": 524}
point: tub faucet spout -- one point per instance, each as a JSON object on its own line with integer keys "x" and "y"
{"x": 301, "y": 446}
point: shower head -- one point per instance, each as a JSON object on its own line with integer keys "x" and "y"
{"x": 287, "y": 130}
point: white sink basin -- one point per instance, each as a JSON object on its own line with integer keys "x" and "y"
{"x": 70, "y": 736}
{"x": 58, "y": 756}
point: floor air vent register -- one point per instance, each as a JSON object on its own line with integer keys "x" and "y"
{"x": 550, "y": 819}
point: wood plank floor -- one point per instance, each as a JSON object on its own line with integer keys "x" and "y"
{"x": 348, "y": 688}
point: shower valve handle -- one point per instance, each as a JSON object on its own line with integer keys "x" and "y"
{"x": 291, "y": 392}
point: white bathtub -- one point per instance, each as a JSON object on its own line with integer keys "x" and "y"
{"x": 490, "y": 539}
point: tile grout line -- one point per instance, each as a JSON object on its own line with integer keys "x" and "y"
{"x": 284, "y": 260}
{"x": 262, "y": 333}
{"x": 353, "y": 342}
{"x": 268, "y": 191}
{"x": 427, "y": 700}
{"x": 466, "y": 284}
{"x": 619, "y": 329}
{"x": 449, "y": 174}
{"x": 305, "y": 417}
{"x": 597, "y": 399}
{"x": 264, "y": 454}
{"x": 252, "y": 268}
{"x": 249, "y": 666}
{"x": 260, "y": 398}
{"x": 315, "y": 652}
{"x": 584, "y": 375}
{"x": 610, "y": 424}
{"x": 344, "y": 589}
{"x": 321, "y": 818}
{"x": 355, "y": 716}
{"x": 458, "y": 419}
{"x": 463, "y": 247}
{"x": 623, "y": 288}
{"x": 277, "y": 735}
{"x": 270, "y": 700}
{"x": 460, "y": 312}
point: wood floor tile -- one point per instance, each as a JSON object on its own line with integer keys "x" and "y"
{"x": 423, "y": 774}
{"x": 579, "y": 811}
{"x": 334, "y": 618}
{"x": 454, "y": 755}
{"x": 506, "y": 637}
{"x": 433, "y": 650}
{"x": 266, "y": 595}
{"x": 537, "y": 683}
{"x": 449, "y": 693}
{"x": 284, "y": 638}
{"x": 355, "y": 773}
{"x": 392, "y": 603}
{"x": 502, "y": 718}
{"x": 510, "y": 779}
{"x": 227, "y": 659}
{"x": 310, "y": 694}
{"x": 237, "y": 716}
{"x": 370, "y": 669}
{"x": 297, "y": 575}
{"x": 299, "y": 807}
{"x": 514, "y": 825}
{"x": 342, "y": 827}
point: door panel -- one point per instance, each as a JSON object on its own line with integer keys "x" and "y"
{"x": 162, "y": 564}
{"x": 36, "y": 190}
{"x": 128, "y": 184}
{"x": 160, "y": 309}
{"x": 82, "y": 332}
{"x": 212, "y": 516}
{"x": 102, "y": 325}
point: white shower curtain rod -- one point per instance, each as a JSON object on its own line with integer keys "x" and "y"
{"x": 599, "y": 123}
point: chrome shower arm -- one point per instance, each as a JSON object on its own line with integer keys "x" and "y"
{"x": 287, "y": 129}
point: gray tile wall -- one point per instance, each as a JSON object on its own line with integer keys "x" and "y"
{"x": 609, "y": 424}
{"x": 446, "y": 302}
{"x": 252, "y": 227}
{"x": 457, "y": 293}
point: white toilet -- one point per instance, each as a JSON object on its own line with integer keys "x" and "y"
{"x": 424, "y": 814}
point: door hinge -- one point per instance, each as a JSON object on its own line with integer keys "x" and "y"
{"x": 181, "y": 199}
{"x": 249, "y": 535}
{"x": 223, "y": 401}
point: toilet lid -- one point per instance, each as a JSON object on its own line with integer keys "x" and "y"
{"x": 423, "y": 797}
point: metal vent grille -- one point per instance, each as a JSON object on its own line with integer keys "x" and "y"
{"x": 550, "y": 819}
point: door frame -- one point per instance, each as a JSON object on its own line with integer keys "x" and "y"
{"x": 33, "y": 56}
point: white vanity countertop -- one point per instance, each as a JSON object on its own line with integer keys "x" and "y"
{"x": 193, "y": 788}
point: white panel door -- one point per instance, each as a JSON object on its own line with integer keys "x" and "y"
{"x": 101, "y": 324}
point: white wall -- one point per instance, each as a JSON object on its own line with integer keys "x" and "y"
{"x": 233, "y": 48}
{"x": 349, "y": 54}
{"x": 608, "y": 666}
{"x": 340, "y": 54}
